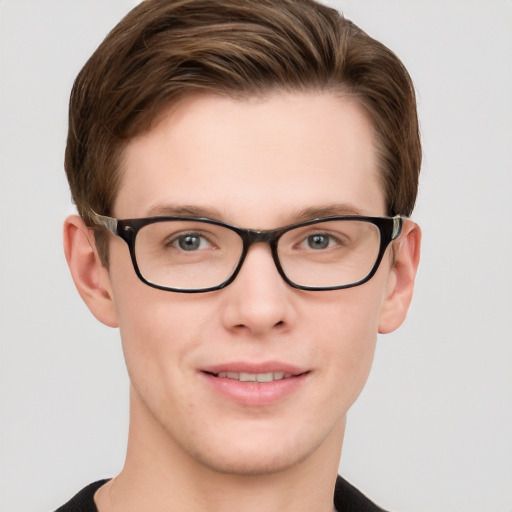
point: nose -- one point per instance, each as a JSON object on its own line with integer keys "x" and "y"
{"x": 258, "y": 301}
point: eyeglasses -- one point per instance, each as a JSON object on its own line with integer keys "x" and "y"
{"x": 192, "y": 255}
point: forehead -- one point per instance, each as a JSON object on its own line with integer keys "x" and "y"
{"x": 254, "y": 162}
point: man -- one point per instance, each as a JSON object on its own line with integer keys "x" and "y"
{"x": 244, "y": 173}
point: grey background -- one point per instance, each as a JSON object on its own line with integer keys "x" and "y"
{"x": 433, "y": 429}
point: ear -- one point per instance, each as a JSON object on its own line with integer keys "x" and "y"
{"x": 90, "y": 277}
{"x": 401, "y": 279}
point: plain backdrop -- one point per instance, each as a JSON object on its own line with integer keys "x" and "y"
{"x": 432, "y": 431}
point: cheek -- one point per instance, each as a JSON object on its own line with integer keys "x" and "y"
{"x": 159, "y": 340}
{"x": 350, "y": 317}
{"x": 155, "y": 325}
{"x": 147, "y": 317}
{"x": 349, "y": 336}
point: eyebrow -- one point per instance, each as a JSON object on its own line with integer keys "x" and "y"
{"x": 304, "y": 214}
{"x": 329, "y": 210}
{"x": 184, "y": 211}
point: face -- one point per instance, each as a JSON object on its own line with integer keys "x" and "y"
{"x": 257, "y": 164}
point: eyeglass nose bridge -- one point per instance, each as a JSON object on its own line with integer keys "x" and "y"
{"x": 254, "y": 236}
{"x": 251, "y": 237}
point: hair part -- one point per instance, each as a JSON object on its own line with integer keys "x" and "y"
{"x": 163, "y": 50}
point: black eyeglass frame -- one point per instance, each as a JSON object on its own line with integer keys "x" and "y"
{"x": 390, "y": 229}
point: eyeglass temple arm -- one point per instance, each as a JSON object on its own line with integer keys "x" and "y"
{"x": 102, "y": 220}
{"x": 397, "y": 226}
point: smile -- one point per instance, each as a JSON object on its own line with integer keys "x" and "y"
{"x": 254, "y": 377}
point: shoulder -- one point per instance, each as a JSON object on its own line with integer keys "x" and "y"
{"x": 349, "y": 499}
{"x": 84, "y": 500}
{"x": 346, "y": 499}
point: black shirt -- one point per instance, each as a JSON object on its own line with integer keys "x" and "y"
{"x": 346, "y": 499}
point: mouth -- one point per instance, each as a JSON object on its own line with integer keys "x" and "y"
{"x": 253, "y": 377}
{"x": 255, "y": 385}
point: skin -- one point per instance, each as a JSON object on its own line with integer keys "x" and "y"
{"x": 254, "y": 163}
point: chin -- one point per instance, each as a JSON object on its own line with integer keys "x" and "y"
{"x": 252, "y": 462}
{"x": 257, "y": 453}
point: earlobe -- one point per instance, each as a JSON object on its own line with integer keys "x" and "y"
{"x": 90, "y": 277}
{"x": 401, "y": 280}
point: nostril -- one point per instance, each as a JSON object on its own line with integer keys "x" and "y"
{"x": 245, "y": 326}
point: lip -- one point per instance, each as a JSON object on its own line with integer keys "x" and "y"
{"x": 254, "y": 394}
{"x": 264, "y": 367}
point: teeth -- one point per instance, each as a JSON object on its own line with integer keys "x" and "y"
{"x": 255, "y": 377}
{"x": 265, "y": 377}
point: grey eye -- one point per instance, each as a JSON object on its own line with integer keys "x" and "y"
{"x": 318, "y": 241}
{"x": 189, "y": 242}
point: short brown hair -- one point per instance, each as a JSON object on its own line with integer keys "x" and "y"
{"x": 165, "y": 49}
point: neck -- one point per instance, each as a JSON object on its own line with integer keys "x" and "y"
{"x": 159, "y": 475}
